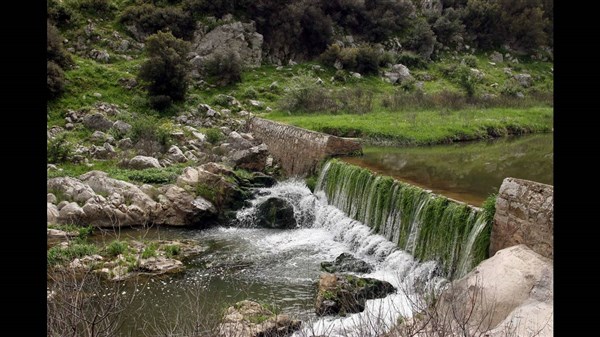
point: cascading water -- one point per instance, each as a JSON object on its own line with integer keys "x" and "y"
{"x": 428, "y": 226}
{"x": 396, "y": 266}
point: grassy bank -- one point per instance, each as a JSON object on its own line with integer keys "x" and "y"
{"x": 427, "y": 126}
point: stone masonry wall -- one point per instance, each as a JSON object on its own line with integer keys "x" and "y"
{"x": 524, "y": 215}
{"x": 299, "y": 150}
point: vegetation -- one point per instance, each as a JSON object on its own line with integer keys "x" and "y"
{"x": 59, "y": 254}
{"x": 166, "y": 71}
{"x": 116, "y": 248}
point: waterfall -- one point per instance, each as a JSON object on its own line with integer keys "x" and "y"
{"x": 428, "y": 226}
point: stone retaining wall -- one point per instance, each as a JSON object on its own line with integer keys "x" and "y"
{"x": 524, "y": 215}
{"x": 299, "y": 150}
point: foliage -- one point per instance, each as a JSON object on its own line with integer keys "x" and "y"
{"x": 148, "y": 128}
{"x": 464, "y": 76}
{"x": 153, "y": 176}
{"x": 470, "y": 61}
{"x": 59, "y": 150}
{"x": 172, "y": 250}
{"x": 364, "y": 59}
{"x": 411, "y": 60}
{"x": 305, "y": 94}
{"x": 149, "y": 19}
{"x": 116, "y": 247}
{"x": 420, "y": 38}
{"x": 59, "y": 254}
{"x": 214, "y": 135}
{"x": 449, "y": 28}
{"x": 166, "y": 71}
{"x": 55, "y": 79}
{"x": 226, "y": 67}
{"x": 102, "y": 8}
{"x": 149, "y": 251}
{"x": 489, "y": 207}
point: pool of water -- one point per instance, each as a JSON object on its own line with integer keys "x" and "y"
{"x": 467, "y": 172}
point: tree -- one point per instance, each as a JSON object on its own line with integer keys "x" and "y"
{"x": 57, "y": 60}
{"x": 165, "y": 74}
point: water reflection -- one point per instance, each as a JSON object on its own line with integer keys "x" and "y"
{"x": 467, "y": 172}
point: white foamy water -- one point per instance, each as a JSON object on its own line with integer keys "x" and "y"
{"x": 323, "y": 233}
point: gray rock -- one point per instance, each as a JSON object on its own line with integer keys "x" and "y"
{"x": 98, "y": 137}
{"x": 525, "y": 80}
{"x": 51, "y": 198}
{"x": 347, "y": 263}
{"x": 71, "y": 213}
{"x": 237, "y": 141}
{"x": 275, "y": 213}
{"x": 100, "y": 55}
{"x": 142, "y": 162}
{"x": 253, "y": 159}
{"x": 398, "y": 73}
{"x": 496, "y": 57}
{"x": 256, "y": 104}
{"x": 97, "y": 121}
{"x": 356, "y": 75}
{"x": 238, "y": 37}
{"x": 176, "y": 155}
{"x": 125, "y": 143}
{"x": 180, "y": 207}
{"x": 121, "y": 127}
{"x": 240, "y": 320}
{"x": 70, "y": 188}
{"x": 62, "y": 204}
{"x": 52, "y": 213}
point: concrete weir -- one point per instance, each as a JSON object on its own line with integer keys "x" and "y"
{"x": 300, "y": 150}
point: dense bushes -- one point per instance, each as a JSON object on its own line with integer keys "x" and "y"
{"x": 364, "y": 59}
{"x": 165, "y": 73}
{"x": 57, "y": 60}
{"x": 225, "y": 67}
{"x": 149, "y": 19}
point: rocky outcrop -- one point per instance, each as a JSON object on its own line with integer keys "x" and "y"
{"x": 253, "y": 159}
{"x": 342, "y": 294}
{"x": 141, "y": 162}
{"x": 511, "y": 291}
{"x": 524, "y": 215}
{"x": 275, "y": 213}
{"x": 299, "y": 150}
{"x": 97, "y": 121}
{"x": 101, "y": 201}
{"x": 250, "y": 319}
{"x": 398, "y": 74}
{"x": 346, "y": 262}
{"x": 238, "y": 37}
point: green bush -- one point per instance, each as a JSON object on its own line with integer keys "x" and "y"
{"x": 148, "y": 128}
{"x": 149, "y": 251}
{"x": 172, "y": 250}
{"x": 449, "y": 28}
{"x": 304, "y": 94}
{"x": 55, "y": 80}
{"x": 250, "y": 93}
{"x": 58, "y": 254}
{"x": 214, "y": 135}
{"x": 149, "y": 19}
{"x": 60, "y": 14}
{"x": 102, "y": 8}
{"x": 59, "y": 150}
{"x": 367, "y": 60}
{"x": 55, "y": 50}
{"x": 411, "y": 60}
{"x": 489, "y": 207}
{"x": 226, "y": 67}
{"x": 465, "y": 78}
{"x": 470, "y": 61}
{"x": 420, "y": 38}
{"x": 510, "y": 87}
{"x": 116, "y": 247}
{"x": 165, "y": 73}
{"x": 153, "y": 176}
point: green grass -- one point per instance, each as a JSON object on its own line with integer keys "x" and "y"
{"x": 146, "y": 176}
{"x": 116, "y": 247}
{"x": 57, "y": 254}
{"x": 427, "y": 126}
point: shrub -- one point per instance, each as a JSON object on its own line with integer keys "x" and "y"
{"x": 420, "y": 38}
{"x": 102, "y": 8}
{"x": 172, "y": 250}
{"x": 510, "y": 87}
{"x": 214, "y": 135}
{"x": 160, "y": 102}
{"x": 55, "y": 80}
{"x": 149, "y": 19}
{"x": 60, "y": 14}
{"x": 116, "y": 247}
{"x": 356, "y": 100}
{"x": 411, "y": 60}
{"x": 153, "y": 176}
{"x": 59, "y": 150}
{"x": 226, "y": 67}
{"x": 148, "y": 128}
{"x": 466, "y": 79}
{"x": 250, "y": 93}
{"x": 149, "y": 251}
{"x": 470, "y": 61}
{"x": 330, "y": 55}
{"x": 449, "y": 28}
{"x": 55, "y": 50}
{"x": 367, "y": 60}
{"x": 58, "y": 254}
{"x": 304, "y": 94}
{"x": 165, "y": 73}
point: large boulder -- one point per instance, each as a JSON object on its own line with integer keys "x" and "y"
{"x": 252, "y": 159}
{"x": 346, "y": 262}
{"x": 343, "y": 294}
{"x": 176, "y": 155}
{"x": 250, "y": 319}
{"x": 142, "y": 162}
{"x": 70, "y": 189}
{"x": 511, "y": 290}
{"x": 398, "y": 74}
{"x": 179, "y": 207}
{"x": 97, "y": 121}
{"x": 276, "y": 213}
{"x": 238, "y": 37}
{"x": 51, "y": 213}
